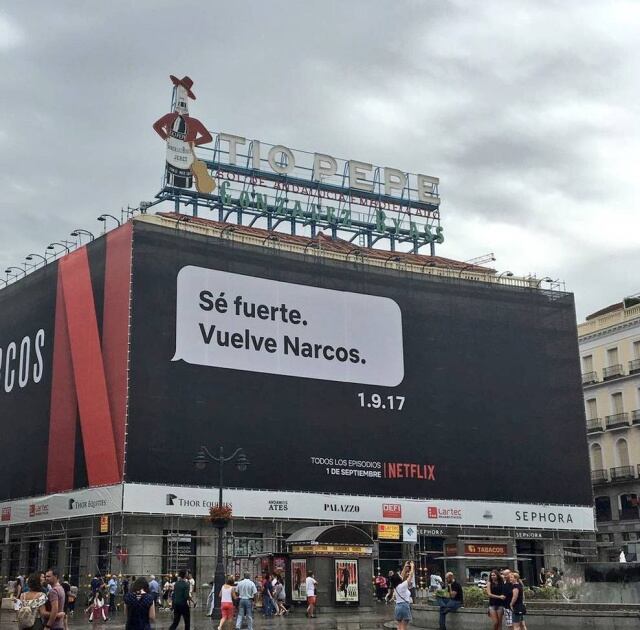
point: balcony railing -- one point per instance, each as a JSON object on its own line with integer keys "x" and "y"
{"x": 613, "y": 371}
{"x": 635, "y": 416}
{"x": 622, "y": 472}
{"x": 634, "y": 368}
{"x": 617, "y": 420}
{"x": 628, "y": 514}
{"x": 600, "y": 475}
{"x": 594, "y": 425}
{"x": 589, "y": 377}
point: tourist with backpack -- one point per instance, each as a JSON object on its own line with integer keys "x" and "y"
{"x": 30, "y": 605}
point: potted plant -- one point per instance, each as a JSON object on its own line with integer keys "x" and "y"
{"x": 220, "y": 514}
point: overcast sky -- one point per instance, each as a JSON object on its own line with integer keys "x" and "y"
{"x": 527, "y": 111}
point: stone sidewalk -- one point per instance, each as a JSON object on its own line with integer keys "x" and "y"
{"x": 295, "y": 620}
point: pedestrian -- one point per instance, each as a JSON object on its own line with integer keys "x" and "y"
{"x": 211, "y": 600}
{"x": 98, "y": 607}
{"x": 192, "y": 589}
{"x": 247, "y": 591}
{"x": 96, "y": 582}
{"x": 453, "y": 602}
{"x": 73, "y": 597}
{"x": 181, "y": 600}
{"x": 112, "y": 585}
{"x": 56, "y": 601}
{"x": 32, "y": 604}
{"x": 311, "y": 584}
{"x": 268, "y": 605}
{"x": 139, "y": 606}
{"x": 125, "y": 585}
{"x": 518, "y": 607}
{"x": 166, "y": 592}
{"x": 154, "y": 588}
{"x": 280, "y": 597}
{"x": 542, "y": 577}
{"x": 496, "y": 598}
{"x": 392, "y": 582}
{"x": 402, "y": 595}
{"x": 227, "y": 596}
{"x": 507, "y": 591}
{"x": 15, "y": 595}
{"x": 381, "y": 587}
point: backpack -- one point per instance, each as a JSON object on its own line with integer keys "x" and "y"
{"x": 26, "y": 617}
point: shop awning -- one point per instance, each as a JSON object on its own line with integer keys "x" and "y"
{"x": 330, "y": 534}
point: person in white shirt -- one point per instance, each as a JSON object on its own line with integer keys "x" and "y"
{"x": 311, "y": 594}
{"x": 402, "y": 594}
{"x": 192, "y": 588}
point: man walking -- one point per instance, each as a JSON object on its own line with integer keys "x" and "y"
{"x": 113, "y": 589}
{"x": 246, "y": 591}
{"x": 56, "y": 599}
{"x": 181, "y": 600}
{"x": 154, "y": 589}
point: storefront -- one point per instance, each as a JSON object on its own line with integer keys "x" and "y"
{"x": 340, "y": 557}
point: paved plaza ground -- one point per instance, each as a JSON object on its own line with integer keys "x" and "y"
{"x": 296, "y": 620}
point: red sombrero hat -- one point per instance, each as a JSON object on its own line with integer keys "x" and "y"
{"x": 186, "y": 83}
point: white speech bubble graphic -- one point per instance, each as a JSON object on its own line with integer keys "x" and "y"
{"x": 239, "y": 322}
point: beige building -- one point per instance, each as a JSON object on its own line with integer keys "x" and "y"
{"x": 609, "y": 342}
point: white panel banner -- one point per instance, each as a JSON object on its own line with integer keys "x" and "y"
{"x": 244, "y": 323}
{"x": 153, "y": 499}
{"x": 87, "y": 502}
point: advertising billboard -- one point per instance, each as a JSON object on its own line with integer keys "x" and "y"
{"x": 63, "y": 371}
{"x": 343, "y": 379}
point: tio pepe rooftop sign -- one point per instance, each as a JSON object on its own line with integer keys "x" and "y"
{"x": 275, "y": 181}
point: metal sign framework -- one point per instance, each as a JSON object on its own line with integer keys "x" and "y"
{"x": 295, "y": 202}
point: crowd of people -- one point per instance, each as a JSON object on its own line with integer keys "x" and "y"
{"x": 239, "y": 598}
{"x": 504, "y": 589}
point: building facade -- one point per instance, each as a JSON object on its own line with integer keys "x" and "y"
{"x": 100, "y": 344}
{"x": 609, "y": 343}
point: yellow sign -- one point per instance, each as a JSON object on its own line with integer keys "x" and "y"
{"x": 387, "y": 531}
{"x": 104, "y": 524}
{"x": 331, "y": 550}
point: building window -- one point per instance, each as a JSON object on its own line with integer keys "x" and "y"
{"x": 587, "y": 364}
{"x": 616, "y": 403}
{"x": 636, "y": 349}
{"x": 605, "y": 538}
{"x": 603, "y": 508}
{"x": 622, "y": 453}
{"x": 596, "y": 457}
{"x": 631, "y": 552}
{"x": 612, "y": 357}
{"x": 592, "y": 409}
{"x": 628, "y": 507}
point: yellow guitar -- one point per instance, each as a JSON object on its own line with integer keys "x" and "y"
{"x": 204, "y": 182}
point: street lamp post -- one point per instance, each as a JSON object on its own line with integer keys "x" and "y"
{"x": 9, "y": 269}
{"x": 81, "y": 231}
{"x": 202, "y": 458}
{"x": 103, "y": 218}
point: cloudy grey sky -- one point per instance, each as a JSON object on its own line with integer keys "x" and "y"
{"x": 527, "y": 111}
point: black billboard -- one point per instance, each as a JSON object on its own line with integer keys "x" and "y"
{"x": 343, "y": 378}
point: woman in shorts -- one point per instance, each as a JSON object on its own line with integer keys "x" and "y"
{"x": 517, "y": 602}
{"x": 227, "y": 595}
{"x": 496, "y": 598}
{"x": 402, "y": 594}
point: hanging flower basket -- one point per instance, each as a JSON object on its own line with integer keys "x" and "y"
{"x": 220, "y": 514}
